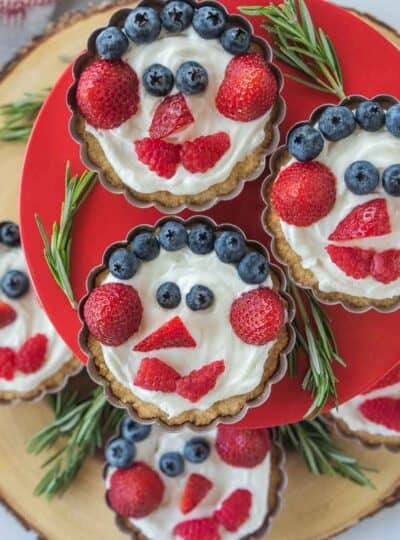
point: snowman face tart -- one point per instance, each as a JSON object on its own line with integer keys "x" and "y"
{"x": 176, "y": 104}
{"x": 225, "y": 484}
{"x": 334, "y": 204}
{"x": 33, "y": 358}
{"x": 185, "y": 323}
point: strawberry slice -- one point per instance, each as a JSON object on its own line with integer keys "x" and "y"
{"x": 383, "y": 411}
{"x": 160, "y": 157}
{"x": 171, "y": 334}
{"x": 197, "y": 487}
{"x": 235, "y": 510}
{"x": 368, "y": 219}
{"x": 197, "y": 529}
{"x": 355, "y": 262}
{"x": 389, "y": 379}
{"x": 154, "y": 374}
{"x": 7, "y": 314}
{"x": 199, "y": 382}
{"x": 171, "y": 115}
{"x": 385, "y": 266}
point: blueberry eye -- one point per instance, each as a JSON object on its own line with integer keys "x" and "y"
{"x": 361, "y": 177}
{"x": 120, "y": 453}
{"x": 133, "y": 431}
{"x": 158, "y": 80}
{"x": 197, "y": 450}
{"x": 14, "y": 283}
{"x": 9, "y": 234}
{"x": 172, "y": 464}
{"x": 168, "y": 295}
{"x": 199, "y": 297}
{"x": 391, "y": 180}
{"x": 191, "y": 78}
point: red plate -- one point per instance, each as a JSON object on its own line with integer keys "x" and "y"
{"x": 368, "y": 343}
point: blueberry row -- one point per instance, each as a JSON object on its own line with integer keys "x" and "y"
{"x": 9, "y": 234}
{"x": 13, "y": 283}
{"x": 362, "y": 177}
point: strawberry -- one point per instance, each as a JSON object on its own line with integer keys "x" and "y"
{"x": 242, "y": 447}
{"x": 7, "y": 363}
{"x": 171, "y": 334}
{"x": 383, "y": 411}
{"x": 385, "y": 266}
{"x": 202, "y": 153}
{"x": 235, "y": 510}
{"x": 113, "y": 313}
{"x": 355, "y": 262}
{"x": 368, "y": 219}
{"x": 199, "y": 382}
{"x": 171, "y": 115}
{"x": 392, "y": 377}
{"x": 197, "y": 487}
{"x": 108, "y": 93}
{"x": 304, "y": 193}
{"x": 135, "y": 492}
{"x": 161, "y": 157}
{"x": 32, "y": 354}
{"x": 257, "y": 316}
{"x": 154, "y": 374}
{"x": 7, "y": 314}
{"x": 249, "y": 88}
{"x": 197, "y": 529}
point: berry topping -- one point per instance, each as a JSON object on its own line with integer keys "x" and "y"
{"x": 249, "y": 88}
{"x": 391, "y": 180}
{"x": 146, "y": 246}
{"x": 230, "y": 246}
{"x": 253, "y": 268}
{"x": 111, "y": 43}
{"x": 197, "y": 529}
{"x": 7, "y": 314}
{"x": 354, "y": 262}
{"x": 393, "y": 120}
{"x": 9, "y": 234}
{"x": 199, "y": 382}
{"x": 392, "y": 377}
{"x": 172, "y": 334}
{"x": 304, "y": 193}
{"x": 123, "y": 264}
{"x": 361, "y": 177}
{"x": 32, "y": 354}
{"x": 113, "y": 313}
{"x": 368, "y": 219}
{"x": 158, "y": 80}
{"x": 209, "y": 22}
{"x": 305, "y": 143}
{"x": 120, "y": 453}
{"x": 154, "y": 374}
{"x": 204, "y": 152}
{"x": 133, "y": 431}
{"x": 173, "y": 236}
{"x": 370, "y": 116}
{"x": 14, "y": 284}
{"x": 337, "y": 123}
{"x": 172, "y": 464}
{"x": 7, "y": 363}
{"x": 257, "y": 316}
{"x": 191, "y": 78}
{"x": 171, "y": 115}
{"x": 197, "y": 450}
{"x": 169, "y": 295}
{"x": 242, "y": 447}
{"x": 160, "y": 157}
{"x": 143, "y": 24}
{"x": 176, "y": 16}
{"x": 383, "y": 411}
{"x": 196, "y": 488}
{"x": 199, "y": 297}
{"x": 235, "y": 510}
{"x": 135, "y": 492}
{"x": 108, "y": 93}
{"x": 385, "y": 266}
{"x": 236, "y": 40}
{"x": 201, "y": 239}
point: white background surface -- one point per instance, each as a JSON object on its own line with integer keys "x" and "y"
{"x": 384, "y": 526}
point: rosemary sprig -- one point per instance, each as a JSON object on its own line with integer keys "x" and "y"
{"x": 57, "y": 250}
{"x": 18, "y": 117}
{"x": 299, "y": 44}
{"x": 312, "y": 440}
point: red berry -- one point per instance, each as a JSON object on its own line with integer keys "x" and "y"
{"x": 235, "y": 510}
{"x": 7, "y": 363}
{"x": 171, "y": 334}
{"x": 171, "y": 115}
{"x": 154, "y": 374}
{"x": 393, "y": 377}
{"x": 257, "y": 316}
{"x": 161, "y": 157}
{"x": 355, "y": 262}
{"x": 197, "y": 529}
{"x": 368, "y": 219}
{"x": 242, "y": 447}
{"x": 249, "y": 88}
{"x": 383, "y": 411}
{"x": 32, "y": 354}
{"x": 113, "y": 313}
{"x": 7, "y": 314}
{"x": 199, "y": 382}
{"x": 108, "y": 93}
{"x": 304, "y": 193}
{"x": 197, "y": 487}
{"x": 202, "y": 153}
{"x": 135, "y": 492}
{"x": 385, "y": 266}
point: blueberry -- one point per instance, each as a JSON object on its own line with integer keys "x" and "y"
{"x": 123, "y": 264}
{"x": 173, "y": 236}
{"x": 14, "y": 283}
{"x": 172, "y": 464}
{"x": 209, "y": 22}
{"x": 236, "y": 40}
{"x": 120, "y": 453}
{"x": 176, "y": 16}
{"x": 305, "y": 143}
{"x": 191, "y": 78}
{"x": 393, "y": 120}
{"x": 143, "y": 24}
{"x": 168, "y": 295}
{"x": 361, "y": 177}
{"x": 197, "y": 450}
{"x": 133, "y": 431}
{"x": 337, "y": 123}
{"x": 201, "y": 239}
{"x": 370, "y": 116}
{"x": 9, "y": 234}
{"x": 111, "y": 43}
{"x": 253, "y": 268}
{"x": 391, "y": 180}
{"x": 146, "y": 246}
{"x": 158, "y": 80}
{"x": 230, "y": 246}
{"x": 199, "y": 297}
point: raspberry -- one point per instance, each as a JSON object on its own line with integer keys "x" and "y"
{"x": 108, "y": 93}
{"x": 197, "y": 487}
{"x": 235, "y": 510}
{"x": 304, "y": 193}
{"x": 161, "y": 157}
{"x": 171, "y": 334}
{"x": 7, "y": 314}
{"x": 199, "y": 382}
{"x": 383, "y": 411}
{"x": 153, "y": 374}
{"x": 7, "y": 363}
{"x": 355, "y": 262}
{"x": 135, "y": 492}
{"x": 385, "y": 266}
{"x": 393, "y": 377}
{"x": 113, "y": 313}
{"x": 202, "y": 153}
{"x": 242, "y": 447}
{"x": 197, "y": 529}
{"x": 171, "y": 115}
{"x": 257, "y": 316}
{"x": 32, "y": 354}
{"x": 368, "y": 219}
{"x": 249, "y": 88}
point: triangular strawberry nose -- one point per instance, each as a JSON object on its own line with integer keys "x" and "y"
{"x": 196, "y": 488}
{"x": 172, "y": 334}
{"x": 7, "y": 314}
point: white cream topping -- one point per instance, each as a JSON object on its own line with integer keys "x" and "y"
{"x": 210, "y": 328}
{"x": 160, "y": 523}
{"x": 31, "y": 319}
{"x": 382, "y": 149}
{"x": 172, "y": 50}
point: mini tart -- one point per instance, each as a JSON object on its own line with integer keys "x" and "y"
{"x": 247, "y": 167}
{"x": 284, "y": 250}
{"x": 229, "y": 408}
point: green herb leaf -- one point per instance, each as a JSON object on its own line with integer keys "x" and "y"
{"x": 17, "y": 118}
